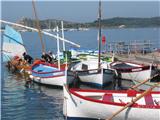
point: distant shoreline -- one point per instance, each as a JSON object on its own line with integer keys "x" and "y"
{"x": 117, "y": 22}
{"x": 84, "y": 29}
{"x": 112, "y": 23}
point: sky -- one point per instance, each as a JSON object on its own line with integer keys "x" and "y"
{"x": 80, "y": 11}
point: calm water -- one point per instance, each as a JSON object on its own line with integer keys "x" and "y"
{"x": 45, "y": 103}
{"x": 88, "y": 39}
{"x": 35, "y": 103}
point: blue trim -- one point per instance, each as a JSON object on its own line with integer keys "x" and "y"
{"x": 48, "y": 75}
{"x": 92, "y": 84}
{"x": 78, "y": 118}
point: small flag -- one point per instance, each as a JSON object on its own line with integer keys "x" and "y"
{"x": 103, "y": 40}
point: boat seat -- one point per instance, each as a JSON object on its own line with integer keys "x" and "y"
{"x": 148, "y": 99}
{"x": 131, "y": 93}
{"x": 108, "y": 97}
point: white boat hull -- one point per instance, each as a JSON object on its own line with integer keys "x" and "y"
{"x": 97, "y": 78}
{"x": 133, "y": 71}
{"x": 88, "y": 72}
{"x": 45, "y": 73}
{"x": 55, "y": 81}
{"x": 140, "y": 75}
{"x": 76, "y": 107}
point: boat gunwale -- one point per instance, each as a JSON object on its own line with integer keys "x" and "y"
{"x": 47, "y": 64}
{"x": 127, "y": 70}
{"x": 51, "y": 76}
{"x": 135, "y": 105}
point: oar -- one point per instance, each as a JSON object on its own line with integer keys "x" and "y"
{"x": 133, "y": 101}
{"x": 136, "y": 86}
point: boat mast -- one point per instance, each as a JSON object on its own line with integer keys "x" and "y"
{"x": 63, "y": 35}
{"x": 58, "y": 51}
{"x": 38, "y": 26}
{"x": 99, "y": 35}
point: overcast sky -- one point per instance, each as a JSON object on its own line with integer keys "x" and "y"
{"x": 80, "y": 11}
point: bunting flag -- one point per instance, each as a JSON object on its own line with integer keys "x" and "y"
{"x": 103, "y": 40}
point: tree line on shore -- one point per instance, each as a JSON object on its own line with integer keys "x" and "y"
{"x": 116, "y": 22}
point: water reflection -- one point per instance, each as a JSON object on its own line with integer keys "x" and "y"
{"x": 23, "y": 103}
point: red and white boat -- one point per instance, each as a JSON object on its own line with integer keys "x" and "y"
{"x": 133, "y": 71}
{"x": 49, "y": 74}
{"x": 101, "y": 104}
{"x": 52, "y": 74}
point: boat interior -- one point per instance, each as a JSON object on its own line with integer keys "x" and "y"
{"x": 123, "y": 98}
{"x": 124, "y": 65}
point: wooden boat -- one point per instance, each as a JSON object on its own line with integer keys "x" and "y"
{"x": 101, "y": 104}
{"x": 93, "y": 71}
{"x": 49, "y": 74}
{"x": 89, "y": 73}
{"x": 133, "y": 71}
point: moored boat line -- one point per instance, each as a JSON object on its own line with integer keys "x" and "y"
{"x": 139, "y": 102}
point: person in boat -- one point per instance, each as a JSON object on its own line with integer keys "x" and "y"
{"x": 51, "y": 55}
{"x": 28, "y": 58}
{"x": 46, "y": 57}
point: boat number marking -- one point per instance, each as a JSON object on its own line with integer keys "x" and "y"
{"x": 138, "y": 69}
{"x": 93, "y": 71}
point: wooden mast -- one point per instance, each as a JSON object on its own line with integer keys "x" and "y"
{"x": 99, "y": 35}
{"x": 38, "y": 26}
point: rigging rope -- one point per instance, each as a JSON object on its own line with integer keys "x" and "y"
{"x": 38, "y": 26}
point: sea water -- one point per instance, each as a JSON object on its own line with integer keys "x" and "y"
{"x": 45, "y": 102}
